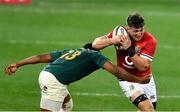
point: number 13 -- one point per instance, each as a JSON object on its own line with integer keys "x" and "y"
{"x": 71, "y": 55}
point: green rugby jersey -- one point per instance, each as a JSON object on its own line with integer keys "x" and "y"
{"x": 73, "y": 64}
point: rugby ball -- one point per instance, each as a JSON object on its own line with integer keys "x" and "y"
{"x": 117, "y": 31}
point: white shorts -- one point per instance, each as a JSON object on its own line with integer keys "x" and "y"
{"x": 51, "y": 90}
{"x": 129, "y": 88}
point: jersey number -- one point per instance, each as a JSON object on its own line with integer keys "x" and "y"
{"x": 71, "y": 55}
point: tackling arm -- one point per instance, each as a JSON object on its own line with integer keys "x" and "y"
{"x": 44, "y": 58}
{"x": 123, "y": 74}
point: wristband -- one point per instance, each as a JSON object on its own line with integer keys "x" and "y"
{"x": 130, "y": 51}
{"x": 89, "y": 46}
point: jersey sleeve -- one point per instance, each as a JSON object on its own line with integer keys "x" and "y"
{"x": 149, "y": 50}
{"x": 109, "y": 35}
{"x": 100, "y": 60}
{"x": 56, "y": 54}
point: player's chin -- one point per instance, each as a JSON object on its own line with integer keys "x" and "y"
{"x": 137, "y": 38}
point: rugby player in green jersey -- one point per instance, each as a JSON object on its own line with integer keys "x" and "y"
{"x": 65, "y": 67}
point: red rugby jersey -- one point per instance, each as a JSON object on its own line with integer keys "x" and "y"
{"x": 145, "y": 48}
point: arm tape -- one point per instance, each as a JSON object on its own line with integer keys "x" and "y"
{"x": 139, "y": 99}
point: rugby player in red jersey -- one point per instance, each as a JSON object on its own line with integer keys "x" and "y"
{"x": 135, "y": 57}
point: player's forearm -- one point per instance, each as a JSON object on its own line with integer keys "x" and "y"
{"x": 34, "y": 59}
{"x": 102, "y": 42}
{"x": 123, "y": 74}
{"x": 140, "y": 63}
{"x": 30, "y": 60}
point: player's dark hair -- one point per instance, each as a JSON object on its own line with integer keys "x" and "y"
{"x": 135, "y": 20}
{"x": 89, "y": 46}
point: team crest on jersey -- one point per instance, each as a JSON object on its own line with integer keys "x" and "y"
{"x": 137, "y": 49}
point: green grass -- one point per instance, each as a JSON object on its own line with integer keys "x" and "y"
{"x": 48, "y": 25}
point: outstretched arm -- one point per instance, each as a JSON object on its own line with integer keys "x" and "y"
{"x": 123, "y": 74}
{"x": 44, "y": 58}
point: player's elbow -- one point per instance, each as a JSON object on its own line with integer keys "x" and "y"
{"x": 144, "y": 67}
{"x": 95, "y": 44}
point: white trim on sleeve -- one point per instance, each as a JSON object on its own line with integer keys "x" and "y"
{"x": 146, "y": 56}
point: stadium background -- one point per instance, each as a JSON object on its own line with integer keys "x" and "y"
{"x": 47, "y": 25}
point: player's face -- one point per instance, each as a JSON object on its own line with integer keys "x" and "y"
{"x": 136, "y": 33}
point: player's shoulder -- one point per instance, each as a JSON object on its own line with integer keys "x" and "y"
{"x": 149, "y": 37}
{"x": 93, "y": 54}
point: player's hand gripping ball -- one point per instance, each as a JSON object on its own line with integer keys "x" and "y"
{"x": 118, "y": 31}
